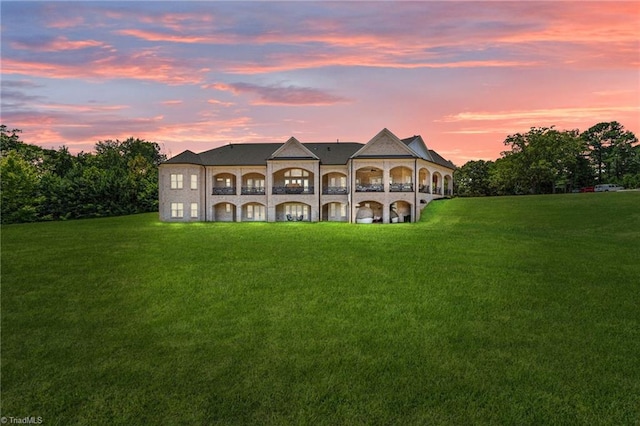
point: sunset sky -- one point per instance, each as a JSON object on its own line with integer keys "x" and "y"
{"x": 196, "y": 75}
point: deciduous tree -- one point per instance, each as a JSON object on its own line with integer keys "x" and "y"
{"x": 612, "y": 151}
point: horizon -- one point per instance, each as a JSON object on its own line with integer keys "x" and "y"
{"x": 199, "y": 75}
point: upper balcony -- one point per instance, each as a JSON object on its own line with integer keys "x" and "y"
{"x": 370, "y": 187}
{"x": 224, "y": 184}
{"x": 224, "y": 190}
{"x": 334, "y": 184}
{"x": 293, "y": 181}
{"x": 253, "y": 190}
{"x": 400, "y": 187}
{"x": 253, "y": 184}
{"x": 369, "y": 180}
{"x": 292, "y": 188}
{"x": 401, "y": 179}
{"x": 335, "y": 190}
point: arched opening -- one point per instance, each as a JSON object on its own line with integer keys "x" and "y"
{"x": 424, "y": 184}
{"x": 224, "y": 184}
{"x": 254, "y": 212}
{"x": 334, "y": 183}
{"x": 335, "y": 212}
{"x": 293, "y": 181}
{"x": 224, "y": 212}
{"x": 401, "y": 179}
{"x": 437, "y": 184}
{"x": 253, "y": 184}
{"x": 369, "y": 179}
{"x": 369, "y": 212}
{"x": 293, "y": 212}
{"x": 400, "y": 211}
{"x": 448, "y": 185}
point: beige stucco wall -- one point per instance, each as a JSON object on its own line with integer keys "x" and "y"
{"x": 207, "y": 201}
{"x": 383, "y": 144}
{"x": 186, "y": 195}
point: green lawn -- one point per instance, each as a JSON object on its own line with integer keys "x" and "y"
{"x": 510, "y": 310}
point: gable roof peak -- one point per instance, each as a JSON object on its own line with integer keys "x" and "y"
{"x": 185, "y": 157}
{"x": 292, "y": 148}
{"x": 385, "y": 144}
{"x": 292, "y": 139}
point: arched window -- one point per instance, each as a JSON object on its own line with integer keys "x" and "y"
{"x": 296, "y": 178}
{"x": 296, "y": 173}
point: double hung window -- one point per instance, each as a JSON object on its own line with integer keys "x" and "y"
{"x": 176, "y": 181}
{"x": 177, "y": 210}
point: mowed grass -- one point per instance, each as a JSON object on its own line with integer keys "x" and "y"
{"x": 513, "y": 310}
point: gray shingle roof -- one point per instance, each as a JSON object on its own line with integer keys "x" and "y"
{"x": 185, "y": 157}
{"x": 257, "y": 154}
{"x": 438, "y": 159}
{"x": 241, "y": 154}
{"x": 334, "y": 153}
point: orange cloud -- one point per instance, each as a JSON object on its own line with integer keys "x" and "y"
{"x": 541, "y": 114}
{"x": 590, "y": 22}
{"x": 85, "y": 109}
{"x": 62, "y": 22}
{"x": 163, "y": 36}
{"x": 221, "y": 103}
{"x": 140, "y": 66}
{"x": 57, "y": 44}
{"x": 296, "y": 62}
{"x": 281, "y": 95}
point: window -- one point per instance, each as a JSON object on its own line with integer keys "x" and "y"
{"x": 255, "y": 183}
{"x": 255, "y": 212}
{"x": 338, "y": 181}
{"x": 194, "y": 181}
{"x": 176, "y": 181}
{"x": 297, "y": 177}
{"x": 227, "y": 208}
{"x": 194, "y": 210}
{"x": 296, "y": 173}
{"x": 177, "y": 210}
{"x": 223, "y": 182}
{"x": 297, "y": 210}
{"x": 337, "y": 210}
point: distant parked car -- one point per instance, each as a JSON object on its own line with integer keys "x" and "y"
{"x": 606, "y": 187}
{"x": 588, "y": 189}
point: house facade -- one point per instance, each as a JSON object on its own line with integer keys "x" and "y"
{"x": 386, "y": 180}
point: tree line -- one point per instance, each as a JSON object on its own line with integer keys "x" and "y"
{"x": 545, "y": 160}
{"x": 39, "y": 184}
{"x": 121, "y": 177}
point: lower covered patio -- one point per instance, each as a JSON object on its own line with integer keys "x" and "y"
{"x": 224, "y": 212}
{"x": 293, "y": 212}
{"x": 335, "y": 212}
{"x": 376, "y": 212}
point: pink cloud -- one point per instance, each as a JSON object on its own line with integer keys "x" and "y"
{"x": 282, "y": 95}
{"x": 218, "y": 102}
{"x": 148, "y": 35}
{"x": 57, "y": 44}
{"x": 299, "y": 62}
{"x": 541, "y": 115}
{"x": 590, "y": 22}
{"x": 144, "y": 65}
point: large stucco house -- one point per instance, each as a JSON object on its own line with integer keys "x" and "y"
{"x": 386, "y": 180}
